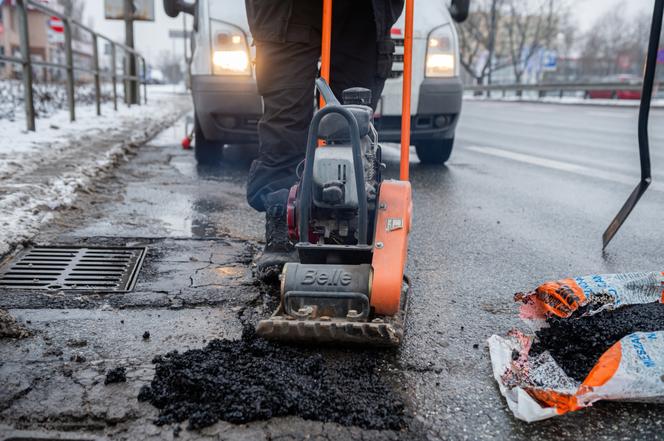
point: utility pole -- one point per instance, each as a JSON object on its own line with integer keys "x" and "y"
{"x": 131, "y": 86}
{"x": 27, "y": 64}
{"x": 186, "y": 71}
{"x": 184, "y": 33}
{"x": 492, "y": 39}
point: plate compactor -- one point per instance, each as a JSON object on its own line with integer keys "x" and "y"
{"x": 351, "y": 226}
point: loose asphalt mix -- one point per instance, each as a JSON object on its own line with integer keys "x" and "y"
{"x": 577, "y": 343}
{"x": 251, "y": 379}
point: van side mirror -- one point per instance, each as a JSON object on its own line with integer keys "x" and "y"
{"x": 459, "y": 10}
{"x": 174, "y": 7}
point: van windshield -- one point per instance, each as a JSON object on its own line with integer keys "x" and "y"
{"x": 223, "y": 10}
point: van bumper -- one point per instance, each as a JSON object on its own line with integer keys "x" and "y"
{"x": 227, "y": 108}
{"x": 438, "y": 109}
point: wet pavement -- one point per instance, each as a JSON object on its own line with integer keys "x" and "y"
{"x": 516, "y": 205}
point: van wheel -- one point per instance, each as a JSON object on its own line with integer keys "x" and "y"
{"x": 434, "y": 151}
{"x": 207, "y": 151}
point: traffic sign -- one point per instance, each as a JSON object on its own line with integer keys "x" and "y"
{"x": 56, "y": 25}
{"x": 660, "y": 56}
{"x": 549, "y": 60}
{"x": 142, "y": 10}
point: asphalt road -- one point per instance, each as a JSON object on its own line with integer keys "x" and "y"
{"x": 524, "y": 199}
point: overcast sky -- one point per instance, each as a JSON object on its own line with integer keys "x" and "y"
{"x": 152, "y": 37}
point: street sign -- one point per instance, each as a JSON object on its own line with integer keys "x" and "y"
{"x": 178, "y": 33}
{"x": 56, "y": 25}
{"x": 660, "y": 56}
{"x": 55, "y": 37}
{"x": 143, "y": 10}
{"x": 549, "y": 60}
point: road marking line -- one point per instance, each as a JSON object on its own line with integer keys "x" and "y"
{"x": 611, "y": 114}
{"x": 562, "y": 166}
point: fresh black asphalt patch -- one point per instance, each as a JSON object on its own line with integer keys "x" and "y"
{"x": 252, "y": 379}
{"x": 577, "y": 343}
{"x": 116, "y": 375}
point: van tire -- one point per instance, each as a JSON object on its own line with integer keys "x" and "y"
{"x": 434, "y": 151}
{"x": 207, "y": 151}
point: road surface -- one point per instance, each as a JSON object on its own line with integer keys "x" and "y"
{"x": 524, "y": 199}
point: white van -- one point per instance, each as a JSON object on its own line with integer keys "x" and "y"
{"x": 228, "y": 107}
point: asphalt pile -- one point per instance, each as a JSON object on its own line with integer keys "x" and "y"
{"x": 252, "y": 379}
{"x": 576, "y": 344}
{"x": 116, "y": 375}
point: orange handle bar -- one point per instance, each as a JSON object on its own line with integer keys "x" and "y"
{"x": 326, "y": 45}
{"x": 406, "y": 91}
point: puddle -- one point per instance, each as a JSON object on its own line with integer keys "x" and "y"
{"x": 202, "y": 227}
{"x": 207, "y": 206}
{"x": 230, "y": 271}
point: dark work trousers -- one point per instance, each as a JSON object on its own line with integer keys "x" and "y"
{"x": 286, "y": 72}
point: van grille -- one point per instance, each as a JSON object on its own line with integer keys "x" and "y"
{"x": 397, "y": 63}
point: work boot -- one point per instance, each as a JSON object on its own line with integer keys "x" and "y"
{"x": 278, "y": 247}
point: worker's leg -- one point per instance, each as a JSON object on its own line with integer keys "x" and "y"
{"x": 285, "y": 75}
{"x": 359, "y": 59}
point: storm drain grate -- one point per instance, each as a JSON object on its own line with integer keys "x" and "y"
{"x": 76, "y": 268}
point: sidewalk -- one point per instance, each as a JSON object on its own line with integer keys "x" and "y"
{"x": 42, "y": 171}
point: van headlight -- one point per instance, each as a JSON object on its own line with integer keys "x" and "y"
{"x": 441, "y": 53}
{"x": 230, "y": 52}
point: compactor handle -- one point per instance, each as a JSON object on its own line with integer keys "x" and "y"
{"x": 326, "y": 91}
{"x": 406, "y": 92}
{"x": 326, "y": 44}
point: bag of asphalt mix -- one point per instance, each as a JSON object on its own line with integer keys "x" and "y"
{"x": 590, "y": 338}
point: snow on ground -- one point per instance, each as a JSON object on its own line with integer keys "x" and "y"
{"x": 48, "y": 98}
{"x": 42, "y": 171}
{"x": 496, "y": 96}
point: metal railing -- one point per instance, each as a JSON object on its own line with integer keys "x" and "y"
{"x": 561, "y": 88}
{"x": 70, "y": 68}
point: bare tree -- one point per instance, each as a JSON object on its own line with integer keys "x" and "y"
{"x": 75, "y": 9}
{"x": 615, "y": 44}
{"x": 531, "y": 26}
{"x": 477, "y": 39}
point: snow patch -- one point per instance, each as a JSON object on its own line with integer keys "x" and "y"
{"x": 42, "y": 172}
{"x": 657, "y": 102}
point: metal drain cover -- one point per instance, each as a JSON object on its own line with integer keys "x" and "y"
{"x": 74, "y": 268}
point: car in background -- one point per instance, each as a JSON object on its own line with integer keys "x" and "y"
{"x": 620, "y": 94}
{"x": 156, "y": 76}
{"x": 228, "y": 107}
